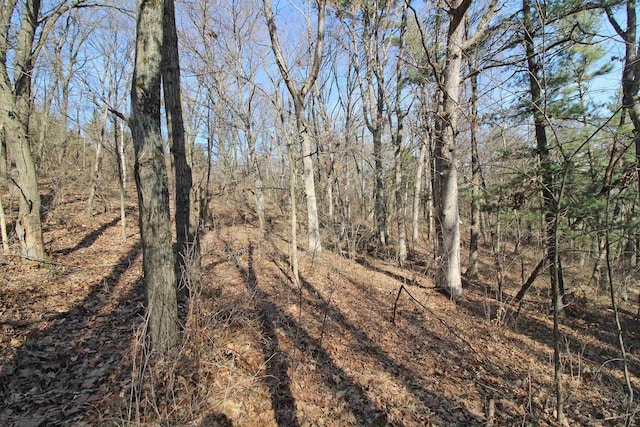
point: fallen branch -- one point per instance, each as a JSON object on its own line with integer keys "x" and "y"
{"x": 532, "y": 277}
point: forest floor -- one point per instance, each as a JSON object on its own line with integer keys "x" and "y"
{"x": 261, "y": 351}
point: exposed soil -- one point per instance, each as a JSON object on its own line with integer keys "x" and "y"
{"x": 260, "y": 351}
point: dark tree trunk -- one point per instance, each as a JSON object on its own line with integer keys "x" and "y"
{"x": 16, "y": 100}
{"x": 175, "y": 126}
{"x": 151, "y": 179}
{"x": 472, "y": 269}
{"x": 549, "y": 201}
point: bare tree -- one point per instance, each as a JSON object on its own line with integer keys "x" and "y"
{"x": 98, "y": 161}
{"x": 151, "y": 178}
{"x": 299, "y": 94}
{"x": 16, "y": 97}
{"x": 400, "y": 112}
{"x": 446, "y": 127}
{"x": 175, "y": 126}
{"x": 537, "y": 85}
{"x": 72, "y": 34}
{"x": 448, "y": 219}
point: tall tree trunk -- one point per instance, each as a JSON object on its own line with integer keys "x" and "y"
{"x": 449, "y": 277}
{"x": 549, "y": 201}
{"x": 380, "y": 207}
{"x": 15, "y": 116}
{"x": 472, "y": 269}
{"x": 205, "y": 193}
{"x": 400, "y": 199}
{"x": 293, "y": 212}
{"x": 298, "y": 94}
{"x": 429, "y": 191}
{"x": 175, "y": 126}
{"x": 151, "y": 179}
{"x": 400, "y": 189}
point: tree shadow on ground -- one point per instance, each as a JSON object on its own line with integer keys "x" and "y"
{"x": 217, "y": 419}
{"x": 400, "y": 278}
{"x": 579, "y": 323}
{"x": 361, "y": 406}
{"x": 410, "y": 379}
{"x": 73, "y": 359}
{"x": 575, "y": 344}
{"x": 486, "y": 384}
{"x": 277, "y": 378}
{"x": 368, "y": 347}
{"x": 90, "y": 238}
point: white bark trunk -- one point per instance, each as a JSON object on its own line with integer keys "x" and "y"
{"x": 449, "y": 277}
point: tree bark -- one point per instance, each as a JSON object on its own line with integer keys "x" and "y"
{"x": 549, "y": 201}
{"x": 3, "y": 230}
{"x": 118, "y": 136}
{"x": 175, "y": 127}
{"x": 98, "y": 162}
{"x": 449, "y": 276}
{"x": 16, "y": 100}
{"x": 399, "y": 187}
{"x": 313, "y": 225}
{"x": 151, "y": 179}
{"x": 417, "y": 188}
{"x": 472, "y": 268}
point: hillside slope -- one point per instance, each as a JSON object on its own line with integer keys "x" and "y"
{"x": 260, "y": 351}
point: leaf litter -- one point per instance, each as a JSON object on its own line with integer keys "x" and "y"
{"x": 259, "y": 351}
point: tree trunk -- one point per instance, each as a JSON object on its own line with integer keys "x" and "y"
{"x": 298, "y": 94}
{"x": 28, "y": 224}
{"x": 429, "y": 180}
{"x": 205, "y": 194}
{"x": 313, "y": 224}
{"x": 380, "y": 213}
{"x": 175, "y": 127}
{"x": 400, "y": 205}
{"x": 293, "y": 217}
{"x": 254, "y": 167}
{"x": 549, "y": 201}
{"x": 449, "y": 276}
{"x": 151, "y": 179}
{"x": 98, "y": 162}
{"x": 417, "y": 188}
{"x": 399, "y": 187}
{"x": 118, "y": 135}
{"x": 14, "y": 117}
{"x": 472, "y": 269}
{"x": 3, "y": 230}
